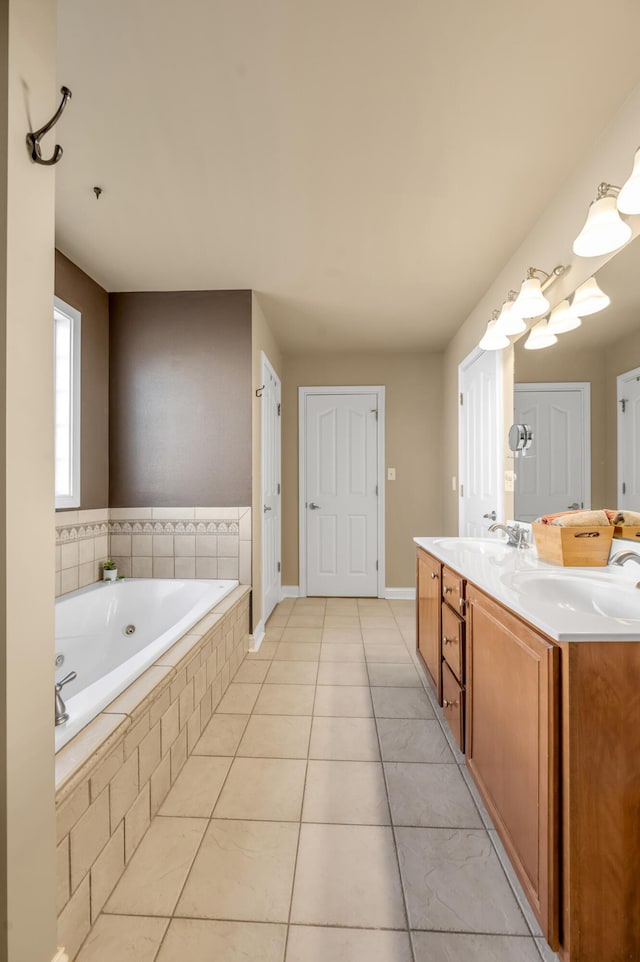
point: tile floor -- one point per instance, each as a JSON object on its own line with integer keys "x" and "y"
{"x": 325, "y": 816}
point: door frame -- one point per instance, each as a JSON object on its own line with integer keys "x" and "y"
{"x": 303, "y": 393}
{"x": 584, "y": 389}
{"x": 632, "y": 375}
{"x": 267, "y": 368}
{"x": 463, "y": 367}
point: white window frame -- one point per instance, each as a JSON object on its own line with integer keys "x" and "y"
{"x": 72, "y": 500}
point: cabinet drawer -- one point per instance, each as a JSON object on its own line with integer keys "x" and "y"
{"x": 453, "y": 704}
{"x": 453, "y": 642}
{"x": 453, "y": 590}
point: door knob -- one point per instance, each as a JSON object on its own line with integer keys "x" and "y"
{"x": 491, "y": 516}
{"x": 313, "y": 506}
{"x": 266, "y": 508}
{"x": 574, "y": 506}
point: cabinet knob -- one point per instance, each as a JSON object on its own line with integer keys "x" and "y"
{"x": 434, "y": 575}
{"x": 448, "y": 589}
{"x": 449, "y": 704}
{"x": 448, "y": 641}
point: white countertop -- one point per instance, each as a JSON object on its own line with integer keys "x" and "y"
{"x": 496, "y": 568}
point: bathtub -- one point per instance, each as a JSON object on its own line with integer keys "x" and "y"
{"x": 110, "y": 632}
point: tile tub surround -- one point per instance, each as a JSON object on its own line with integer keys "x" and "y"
{"x": 114, "y": 776}
{"x": 82, "y": 545}
{"x": 182, "y": 542}
{"x": 319, "y": 820}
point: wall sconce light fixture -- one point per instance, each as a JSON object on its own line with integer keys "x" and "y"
{"x": 563, "y": 318}
{"x": 540, "y": 336}
{"x": 509, "y": 320}
{"x": 589, "y": 299}
{"x": 604, "y": 230}
{"x": 629, "y": 196}
{"x": 494, "y": 340}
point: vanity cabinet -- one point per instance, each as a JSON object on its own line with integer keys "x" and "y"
{"x": 512, "y": 741}
{"x": 429, "y": 573}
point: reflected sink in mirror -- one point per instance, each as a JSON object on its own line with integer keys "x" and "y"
{"x": 584, "y": 593}
{"x": 477, "y": 546}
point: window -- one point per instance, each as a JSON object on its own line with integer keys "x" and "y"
{"x": 67, "y": 404}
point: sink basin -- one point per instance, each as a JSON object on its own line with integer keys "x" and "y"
{"x": 481, "y": 546}
{"x": 585, "y": 594}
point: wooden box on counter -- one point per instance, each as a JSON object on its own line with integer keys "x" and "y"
{"x": 627, "y": 531}
{"x": 573, "y": 547}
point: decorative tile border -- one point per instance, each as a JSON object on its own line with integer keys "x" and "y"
{"x": 174, "y": 527}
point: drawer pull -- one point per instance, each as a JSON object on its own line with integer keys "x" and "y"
{"x": 449, "y": 704}
{"x": 448, "y": 589}
{"x": 448, "y": 641}
{"x": 434, "y": 575}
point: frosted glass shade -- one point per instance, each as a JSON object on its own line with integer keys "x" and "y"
{"x": 603, "y": 232}
{"x": 509, "y": 321}
{"x": 589, "y": 299}
{"x": 629, "y": 196}
{"x": 540, "y": 336}
{"x": 493, "y": 340}
{"x": 531, "y": 302}
{"x": 563, "y": 318}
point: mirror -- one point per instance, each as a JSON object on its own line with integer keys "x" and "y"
{"x": 571, "y": 393}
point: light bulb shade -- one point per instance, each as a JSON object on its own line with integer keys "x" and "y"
{"x": 589, "y": 299}
{"x": 492, "y": 340}
{"x": 629, "y": 196}
{"x": 603, "y": 232}
{"x": 531, "y": 302}
{"x": 563, "y": 318}
{"x": 509, "y": 321}
{"x": 540, "y": 336}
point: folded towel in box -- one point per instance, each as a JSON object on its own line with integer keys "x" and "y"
{"x": 631, "y": 518}
{"x": 583, "y": 519}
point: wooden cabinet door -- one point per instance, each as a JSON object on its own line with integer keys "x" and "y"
{"x": 428, "y": 615}
{"x": 512, "y": 745}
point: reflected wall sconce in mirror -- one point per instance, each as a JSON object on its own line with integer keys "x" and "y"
{"x": 629, "y": 196}
{"x": 531, "y": 301}
{"x": 509, "y": 321}
{"x": 604, "y": 230}
{"x": 493, "y": 339}
{"x": 589, "y": 298}
{"x": 540, "y": 336}
{"x": 563, "y": 318}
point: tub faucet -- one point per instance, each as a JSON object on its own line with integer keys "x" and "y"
{"x": 517, "y": 536}
{"x": 623, "y": 556}
{"x": 62, "y": 715}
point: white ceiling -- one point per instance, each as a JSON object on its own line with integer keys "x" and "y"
{"x": 367, "y": 166}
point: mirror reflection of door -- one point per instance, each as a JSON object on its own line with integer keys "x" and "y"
{"x": 629, "y": 440}
{"x": 554, "y": 474}
{"x": 480, "y": 433}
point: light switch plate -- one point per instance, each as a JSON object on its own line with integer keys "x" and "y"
{"x": 509, "y": 480}
{"x": 391, "y": 474}
{"x": 454, "y": 482}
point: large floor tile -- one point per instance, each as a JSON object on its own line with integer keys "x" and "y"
{"x": 126, "y": 938}
{"x": 381, "y": 653}
{"x": 253, "y": 672}
{"x": 349, "y": 739}
{"x": 238, "y": 699}
{"x": 401, "y": 703}
{"x": 301, "y": 636}
{"x": 341, "y": 621}
{"x": 276, "y": 736}
{"x": 291, "y": 651}
{"x": 202, "y": 940}
{"x": 222, "y": 735}
{"x": 342, "y": 636}
{"x": 343, "y": 701}
{"x": 392, "y": 675}
{"x": 274, "y": 634}
{"x": 155, "y": 875}
{"x": 292, "y": 673}
{"x": 197, "y": 787}
{"x": 346, "y": 793}
{"x": 454, "y": 882}
{"x": 377, "y": 621}
{"x": 342, "y": 652}
{"x": 342, "y": 606}
{"x": 413, "y": 740}
{"x": 263, "y": 788}
{"x": 347, "y": 875}
{"x": 285, "y": 700}
{"x": 434, "y": 796}
{"x": 450, "y": 947}
{"x": 265, "y": 652}
{"x": 306, "y": 619}
{"x": 243, "y": 871}
{"x": 342, "y": 673}
{"x": 322, "y": 944}
{"x": 389, "y": 634}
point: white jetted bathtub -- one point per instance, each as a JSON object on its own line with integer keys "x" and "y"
{"x": 110, "y": 632}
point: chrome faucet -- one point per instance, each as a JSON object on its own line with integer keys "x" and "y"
{"x": 623, "y": 556}
{"x": 517, "y": 536}
{"x": 62, "y": 715}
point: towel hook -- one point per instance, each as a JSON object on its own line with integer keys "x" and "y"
{"x": 260, "y": 390}
{"x": 35, "y": 136}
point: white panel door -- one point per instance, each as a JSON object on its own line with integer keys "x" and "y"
{"x": 271, "y": 529}
{"x": 629, "y": 441}
{"x": 341, "y": 477}
{"x": 480, "y": 445}
{"x": 551, "y": 475}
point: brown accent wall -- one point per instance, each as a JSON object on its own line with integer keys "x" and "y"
{"x": 180, "y": 399}
{"x": 80, "y": 291}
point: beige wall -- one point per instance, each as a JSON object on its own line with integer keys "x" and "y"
{"x": 547, "y": 244}
{"x": 28, "y": 46}
{"x": 413, "y": 444}
{"x": 262, "y": 339}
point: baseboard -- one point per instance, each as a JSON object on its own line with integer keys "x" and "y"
{"x": 60, "y": 956}
{"x": 257, "y": 637}
{"x": 400, "y": 594}
{"x": 290, "y": 591}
